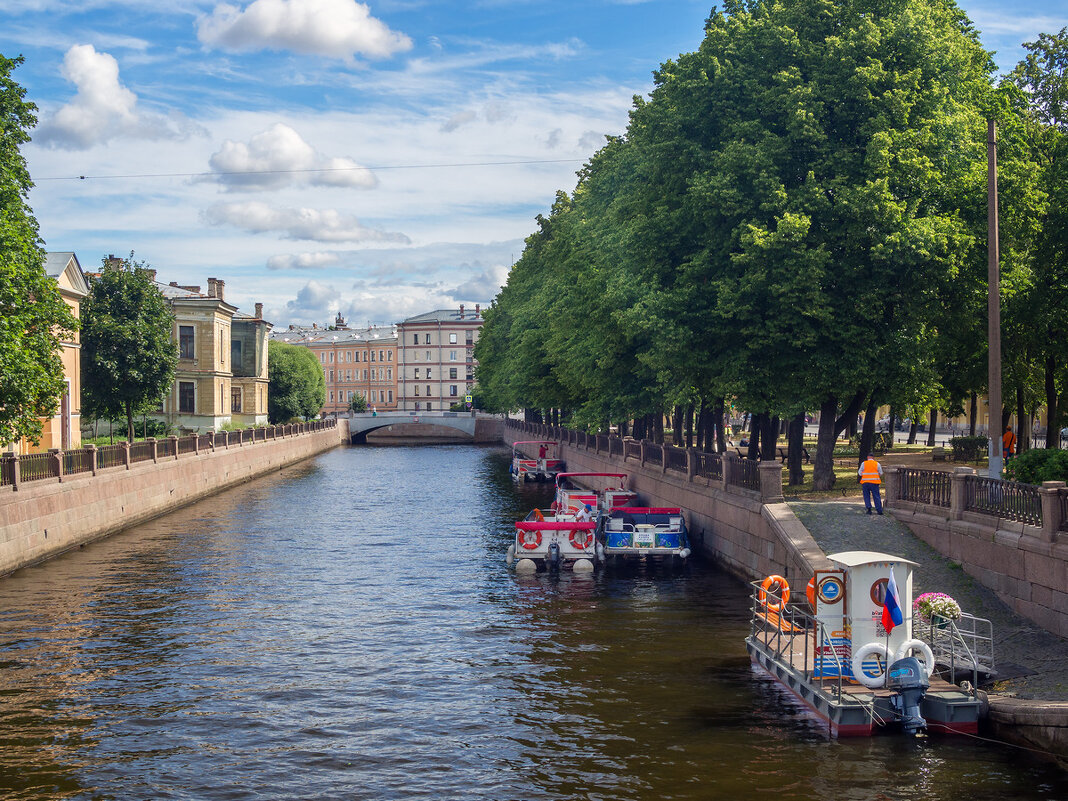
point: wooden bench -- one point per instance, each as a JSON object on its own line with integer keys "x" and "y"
{"x": 784, "y": 454}
{"x": 744, "y": 452}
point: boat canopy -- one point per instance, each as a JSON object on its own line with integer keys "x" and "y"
{"x": 857, "y": 558}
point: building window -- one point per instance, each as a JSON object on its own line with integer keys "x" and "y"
{"x": 391, "y": 396}
{"x": 415, "y": 339}
{"x": 331, "y": 376}
{"x": 417, "y": 390}
{"x": 428, "y": 355}
{"x": 372, "y": 355}
{"x": 235, "y": 353}
{"x": 331, "y": 357}
{"x": 452, "y": 390}
{"x": 428, "y": 373}
{"x": 364, "y": 375}
{"x": 452, "y": 373}
{"x": 389, "y": 355}
{"x": 357, "y": 359}
{"x": 331, "y": 396}
{"x": 322, "y": 357}
{"x": 380, "y": 356}
{"x": 428, "y": 406}
{"x": 187, "y": 395}
{"x": 416, "y": 372}
{"x": 235, "y": 399}
{"x": 389, "y": 374}
{"x": 452, "y": 339}
{"x": 427, "y": 342}
{"x": 452, "y": 355}
{"x": 428, "y": 390}
{"x": 185, "y": 341}
{"x": 417, "y": 405}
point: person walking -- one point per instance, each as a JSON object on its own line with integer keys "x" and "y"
{"x": 1008, "y": 443}
{"x": 871, "y": 476}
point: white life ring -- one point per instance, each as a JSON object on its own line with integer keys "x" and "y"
{"x": 871, "y": 649}
{"x": 925, "y": 650}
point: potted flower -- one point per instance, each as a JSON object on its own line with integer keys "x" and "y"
{"x": 936, "y": 607}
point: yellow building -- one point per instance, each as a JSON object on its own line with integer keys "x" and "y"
{"x": 63, "y": 429}
{"x": 222, "y": 361}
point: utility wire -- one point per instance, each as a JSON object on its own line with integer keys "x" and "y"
{"x": 309, "y": 170}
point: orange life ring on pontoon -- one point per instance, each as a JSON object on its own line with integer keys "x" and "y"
{"x": 526, "y": 543}
{"x": 539, "y": 517}
{"x": 780, "y": 586}
{"x": 579, "y": 541}
{"x": 810, "y": 591}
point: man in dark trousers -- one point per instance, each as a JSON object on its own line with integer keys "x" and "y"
{"x": 871, "y": 476}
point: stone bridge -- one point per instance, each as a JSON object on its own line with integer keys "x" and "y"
{"x": 363, "y": 423}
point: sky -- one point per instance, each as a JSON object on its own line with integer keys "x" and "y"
{"x": 375, "y": 159}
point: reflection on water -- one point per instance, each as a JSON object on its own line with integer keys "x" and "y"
{"x": 347, "y": 629}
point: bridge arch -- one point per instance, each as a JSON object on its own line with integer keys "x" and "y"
{"x": 362, "y": 424}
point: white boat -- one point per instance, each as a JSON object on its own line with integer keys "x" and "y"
{"x": 543, "y": 467}
{"x": 602, "y": 492}
{"x": 550, "y": 540}
{"x": 640, "y": 531}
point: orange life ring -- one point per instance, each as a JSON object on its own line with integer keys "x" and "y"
{"x": 554, "y": 506}
{"x": 780, "y": 586}
{"x": 527, "y": 544}
{"x": 810, "y": 591}
{"x": 540, "y": 518}
{"x": 586, "y": 542}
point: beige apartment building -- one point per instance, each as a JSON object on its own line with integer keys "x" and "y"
{"x": 355, "y": 361}
{"x": 437, "y": 361}
{"x": 222, "y": 361}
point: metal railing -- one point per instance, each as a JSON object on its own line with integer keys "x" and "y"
{"x": 615, "y": 446}
{"x": 654, "y": 452}
{"x": 676, "y": 459}
{"x": 710, "y": 465}
{"x": 38, "y": 466}
{"x": 632, "y": 449}
{"x": 925, "y": 486}
{"x": 965, "y": 645}
{"x": 1005, "y": 499}
{"x": 1063, "y": 499}
{"x": 746, "y": 475}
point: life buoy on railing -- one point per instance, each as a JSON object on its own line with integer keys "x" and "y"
{"x": 810, "y": 591}
{"x": 539, "y": 517}
{"x": 869, "y": 650}
{"x": 527, "y": 543}
{"x": 581, "y": 539}
{"x": 554, "y": 506}
{"x": 781, "y": 588}
{"x": 909, "y": 646}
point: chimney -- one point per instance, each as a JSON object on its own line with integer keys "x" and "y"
{"x": 478, "y": 309}
{"x": 174, "y": 283}
{"x": 215, "y": 288}
{"x": 112, "y": 263}
{"x": 461, "y": 311}
{"x": 259, "y": 311}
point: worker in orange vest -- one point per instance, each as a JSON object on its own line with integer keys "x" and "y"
{"x": 1008, "y": 443}
{"x": 871, "y": 476}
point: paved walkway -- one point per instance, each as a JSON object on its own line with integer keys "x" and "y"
{"x": 1034, "y": 661}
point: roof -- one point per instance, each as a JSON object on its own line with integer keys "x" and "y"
{"x": 303, "y": 335}
{"x": 445, "y": 316}
{"x": 57, "y": 264}
{"x": 857, "y": 558}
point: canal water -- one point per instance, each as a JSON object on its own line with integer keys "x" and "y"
{"x": 347, "y": 629}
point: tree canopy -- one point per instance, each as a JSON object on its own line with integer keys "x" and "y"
{"x": 129, "y": 355}
{"x": 297, "y": 386}
{"x": 33, "y": 316}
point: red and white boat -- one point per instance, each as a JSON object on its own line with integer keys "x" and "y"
{"x": 543, "y": 467}
{"x": 551, "y": 540}
{"x": 602, "y": 492}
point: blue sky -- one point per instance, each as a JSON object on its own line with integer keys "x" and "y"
{"x": 379, "y": 159}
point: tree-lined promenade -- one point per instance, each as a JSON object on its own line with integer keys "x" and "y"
{"x": 795, "y": 221}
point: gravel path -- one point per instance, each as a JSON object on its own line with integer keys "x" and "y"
{"x": 1034, "y": 661}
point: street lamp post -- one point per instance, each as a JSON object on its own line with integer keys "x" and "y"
{"x": 993, "y": 305}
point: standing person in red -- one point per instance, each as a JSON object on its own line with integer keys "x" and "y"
{"x": 541, "y": 451}
{"x": 871, "y": 476}
{"x": 1008, "y": 443}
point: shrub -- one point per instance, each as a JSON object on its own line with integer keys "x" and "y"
{"x": 1036, "y": 466}
{"x": 968, "y": 449}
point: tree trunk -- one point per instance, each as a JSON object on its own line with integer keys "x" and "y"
{"x": 720, "y": 445}
{"x": 769, "y": 441}
{"x": 129, "y": 422}
{"x": 795, "y": 438}
{"x": 932, "y": 427}
{"x": 676, "y": 426}
{"x": 823, "y": 477}
{"x": 1053, "y": 434}
{"x": 1023, "y": 424}
{"x": 689, "y": 425}
{"x": 754, "y": 436}
{"x": 892, "y": 428}
{"x": 867, "y": 434}
{"x": 912, "y": 433}
{"x": 973, "y": 414}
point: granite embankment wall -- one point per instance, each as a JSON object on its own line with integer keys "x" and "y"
{"x": 44, "y": 518}
{"x": 750, "y": 532}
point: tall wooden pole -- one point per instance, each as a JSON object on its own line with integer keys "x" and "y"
{"x": 993, "y": 305}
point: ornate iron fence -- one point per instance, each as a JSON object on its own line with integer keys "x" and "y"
{"x": 1005, "y": 499}
{"x": 676, "y": 459}
{"x": 632, "y": 449}
{"x": 654, "y": 452}
{"x": 925, "y": 486}
{"x": 166, "y": 447}
{"x": 140, "y": 451}
{"x": 747, "y": 475}
{"x": 111, "y": 456}
{"x": 615, "y": 446}
{"x": 79, "y": 461}
{"x": 710, "y": 465}
{"x": 35, "y": 466}
{"x": 187, "y": 444}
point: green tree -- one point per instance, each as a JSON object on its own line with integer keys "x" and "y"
{"x": 33, "y": 315}
{"x": 128, "y": 352}
{"x": 358, "y": 403}
{"x": 297, "y": 386}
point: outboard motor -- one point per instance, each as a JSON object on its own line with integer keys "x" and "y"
{"x": 552, "y": 558}
{"x": 908, "y": 679}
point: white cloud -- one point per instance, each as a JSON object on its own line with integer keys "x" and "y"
{"x": 279, "y": 157}
{"x": 484, "y": 286}
{"x": 334, "y": 28}
{"x": 103, "y": 109}
{"x": 458, "y": 120}
{"x": 303, "y": 261}
{"x": 322, "y": 225}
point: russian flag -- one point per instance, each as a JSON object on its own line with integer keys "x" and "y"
{"x": 892, "y": 605}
